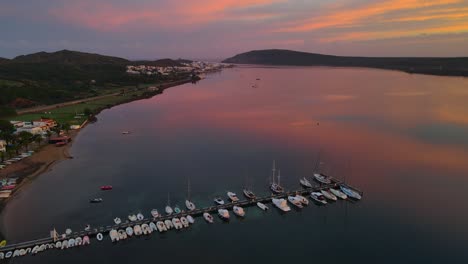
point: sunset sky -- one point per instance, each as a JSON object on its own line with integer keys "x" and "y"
{"x": 212, "y": 29}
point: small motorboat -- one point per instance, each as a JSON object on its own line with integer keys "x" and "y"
{"x": 224, "y": 214}
{"x": 232, "y": 196}
{"x": 338, "y": 193}
{"x": 322, "y": 178}
{"x": 132, "y": 218}
{"x": 177, "y": 223}
{"x": 239, "y": 211}
{"x": 140, "y": 216}
{"x": 219, "y": 200}
{"x": 184, "y": 222}
{"x": 168, "y": 224}
{"x": 350, "y": 192}
{"x": 169, "y": 210}
{"x": 87, "y": 227}
{"x": 249, "y": 194}
{"x": 137, "y": 230}
{"x": 177, "y": 210}
{"x": 190, "y": 219}
{"x": 114, "y": 235}
{"x": 190, "y": 205}
{"x": 161, "y": 226}
{"x": 330, "y": 196}
{"x": 117, "y": 221}
{"x": 295, "y": 201}
{"x": 208, "y": 217}
{"x": 153, "y": 227}
{"x": 318, "y": 197}
{"x": 106, "y": 187}
{"x": 96, "y": 200}
{"x": 122, "y": 234}
{"x": 146, "y": 229}
{"x": 155, "y": 213}
{"x": 262, "y": 206}
{"x": 129, "y": 231}
{"x": 78, "y": 241}
{"x": 281, "y": 204}
{"x": 126, "y": 132}
{"x": 85, "y": 241}
{"x": 305, "y": 183}
{"x": 68, "y": 231}
{"x": 303, "y": 200}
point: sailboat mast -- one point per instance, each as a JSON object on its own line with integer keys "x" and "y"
{"x": 279, "y": 175}
{"x": 273, "y": 170}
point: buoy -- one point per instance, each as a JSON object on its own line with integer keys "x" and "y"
{"x": 99, "y": 237}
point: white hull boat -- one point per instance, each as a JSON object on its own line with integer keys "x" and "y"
{"x": 169, "y": 210}
{"x": 137, "y": 230}
{"x": 224, "y": 214}
{"x": 249, "y": 194}
{"x": 303, "y": 200}
{"x": 239, "y": 211}
{"x": 132, "y": 218}
{"x": 350, "y": 192}
{"x": 281, "y": 204}
{"x": 322, "y": 178}
{"x": 153, "y": 227}
{"x": 305, "y": 183}
{"x": 232, "y": 196}
{"x": 122, "y": 234}
{"x": 338, "y": 194}
{"x": 161, "y": 226}
{"x": 296, "y": 202}
{"x": 146, "y": 229}
{"x": 262, "y": 206}
{"x": 177, "y": 224}
{"x": 190, "y": 219}
{"x": 208, "y": 217}
{"x": 318, "y": 197}
{"x": 140, "y": 216}
{"x": 117, "y": 221}
{"x": 190, "y": 205}
{"x": 184, "y": 221}
{"x": 168, "y": 224}
{"x": 219, "y": 201}
{"x": 155, "y": 213}
{"x": 129, "y": 231}
{"x": 114, "y": 235}
{"x": 330, "y": 196}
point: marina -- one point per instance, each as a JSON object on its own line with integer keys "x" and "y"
{"x": 140, "y": 225}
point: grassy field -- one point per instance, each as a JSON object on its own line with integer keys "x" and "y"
{"x": 73, "y": 114}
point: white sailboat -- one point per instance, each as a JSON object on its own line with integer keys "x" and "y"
{"x": 330, "y": 196}
{"x": 188, "y": 203}
{"x": 305, "y": 183}
{"x": 168, "y": 208}
{"x": 275, "y": 186}
{"x": 338, "y": 193}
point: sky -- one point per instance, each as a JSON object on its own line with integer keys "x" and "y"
{"x": 215, "y": 29}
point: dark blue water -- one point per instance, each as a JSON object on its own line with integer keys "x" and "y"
{"x": 398, "y": 137}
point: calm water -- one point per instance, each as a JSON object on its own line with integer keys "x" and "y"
{"x": 401, "y": 138}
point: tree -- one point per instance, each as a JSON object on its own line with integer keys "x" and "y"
{"x": 6, "y": 127}
{"x": 87, "y": 112}
{"x": 37, "y": 139}
{"x": 25, "y": 138}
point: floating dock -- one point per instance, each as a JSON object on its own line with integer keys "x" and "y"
{"x": 93, "y": 232}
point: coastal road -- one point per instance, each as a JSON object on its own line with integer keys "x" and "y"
{"x": 50, "y": 107}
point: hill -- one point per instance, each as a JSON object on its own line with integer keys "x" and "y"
{"x": 49, "y": 78}
{"x": 3, "y": 60}
{"x": 158, "y": 63}
{"x": 68, "y": 57}
{"x": 434, "y": 66}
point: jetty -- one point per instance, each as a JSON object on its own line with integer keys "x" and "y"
{"x": 93, "y": 232}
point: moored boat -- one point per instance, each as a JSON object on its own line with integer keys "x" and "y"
{"x": 168, "y": 210}
{"x": 190, "y": 205}
{"x": 137, "y": 230}
{"x": 318, "y": 197}
{"x": 338, "y": 193}
{"x": 322, "y": 178}
{"x": 161, "y": 226}
{"x": 233, "y": 196}
{"x": 96, "y": 200}
{"x": 114, "y": 235}
{"x": 129, "y": 231}
{"x": 249, "y": 194}
{"x": 305, "y": 183}
{"x": 122, "y": 234}
{"x": 184, "y": 221}
{"x": 295, "y": 201}
{"x": 239, "y": 211}
{"x": 190, "y": 219}
{"x": 155, "y": 213}
{"x": 208, "y": 217}
{"x": 303, "y": 200}
{"x": 153, "y": 227}
{"x": 224, "y": 214}
{"x": 219, "y": 200}
{"x": 262, "y": 206}
{"x": 168, "y": 224}
{"x": 281, "y": 204}
{"x": 350, "y": 192}
{"x": 330, "y": 196}
{"x": 177, "y": 209}
{"x": 140, "y": 216}
{"x": 275, "y": 187}
{"x": 106, "y": 187}
{"x": 132, "y": 218}
{"x": 177, "y": 224}
{"x": 117, "y": 221}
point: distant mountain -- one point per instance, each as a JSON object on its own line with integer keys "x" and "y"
{"x": 434, "y": 66}
{"x": 3, "y": 60}
{"x": 69, "y": 57}
{"x": 157, "y": 63}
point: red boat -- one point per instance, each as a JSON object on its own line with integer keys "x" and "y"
{"x": 8, "y": 187}
{"x": 106, "y": 187}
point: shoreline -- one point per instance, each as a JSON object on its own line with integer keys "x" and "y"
{"x": 46, "y": 156}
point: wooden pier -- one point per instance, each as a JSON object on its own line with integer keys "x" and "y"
{"x": 197, "y": 212}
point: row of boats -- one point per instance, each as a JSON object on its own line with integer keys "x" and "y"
{"x": 62, "y": 244}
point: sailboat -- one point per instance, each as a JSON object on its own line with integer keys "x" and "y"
{"x": 168, "y": 208}
{"x": 248, "y": 192}
{"x": 188, "y": 203}
{"x": 275, "y": 186}
{"x": 305, "y": 183}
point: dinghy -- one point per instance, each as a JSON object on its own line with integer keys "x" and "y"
{"x": 262, "y": 206}
{"x": 99, "y": 237}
